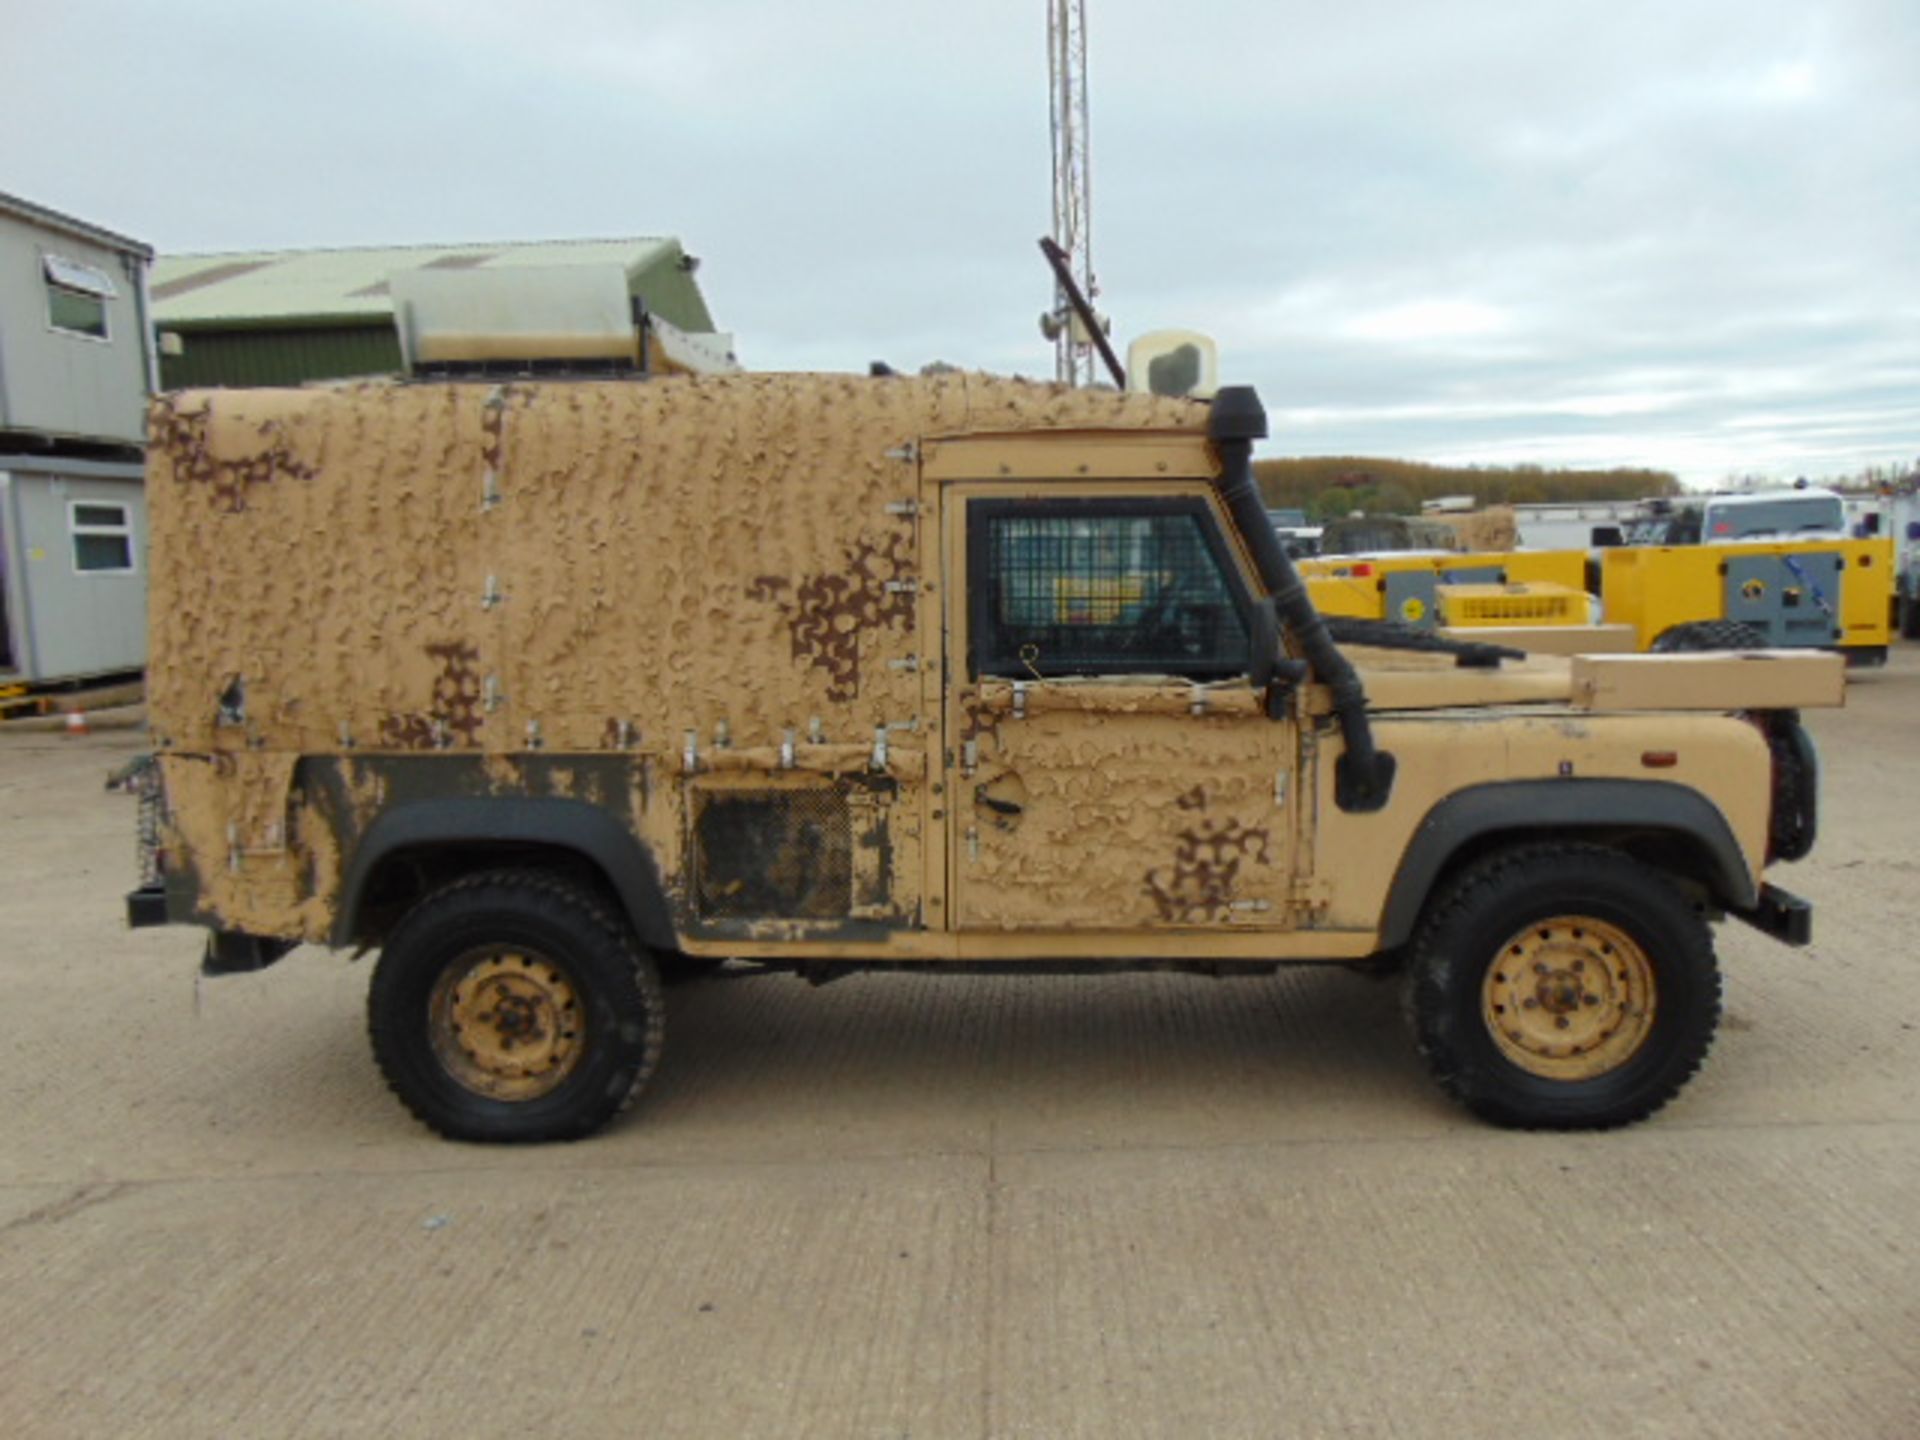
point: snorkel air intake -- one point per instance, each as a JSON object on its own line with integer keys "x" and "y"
{"x": 1363, "y": 776}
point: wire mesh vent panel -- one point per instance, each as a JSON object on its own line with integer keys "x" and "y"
{"x": 1107, "y": 594}
{"x": 1515, "y": 609}
{"x": 774, "y": 854}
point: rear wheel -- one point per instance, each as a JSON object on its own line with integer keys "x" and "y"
{"x": 511, "y": 1006}
{"x": 1564, "y": 987}
{"x": 1710, "y": 635}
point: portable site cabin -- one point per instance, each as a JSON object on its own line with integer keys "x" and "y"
{"x": 73, "y": 595}
{"x": 76, "y": 365}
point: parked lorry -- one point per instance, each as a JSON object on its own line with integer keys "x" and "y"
{"x": 548, "y": 690}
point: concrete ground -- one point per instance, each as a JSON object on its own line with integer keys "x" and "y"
{"x": 903, "y": 1206}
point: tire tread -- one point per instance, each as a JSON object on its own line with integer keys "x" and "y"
{"x": 1436, "y": 1024}
{"x": 558, "y": 896}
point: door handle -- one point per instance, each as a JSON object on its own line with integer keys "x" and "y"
{"x": 1004, "y": 809}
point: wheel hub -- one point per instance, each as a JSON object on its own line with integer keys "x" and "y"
{"x": 505, "y": 1022}
{"x": 1569, "y": 998}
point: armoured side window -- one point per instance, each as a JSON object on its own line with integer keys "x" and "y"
{"x": 1103, "y": 587}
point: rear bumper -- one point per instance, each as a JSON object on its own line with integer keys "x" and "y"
{"x": 1781, "y": 914}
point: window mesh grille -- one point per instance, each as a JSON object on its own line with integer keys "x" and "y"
{"x": 774, "y": 854}
{"x": 1107, "y": 594}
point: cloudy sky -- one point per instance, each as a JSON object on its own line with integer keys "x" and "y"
{"x": 1683, "y": 234}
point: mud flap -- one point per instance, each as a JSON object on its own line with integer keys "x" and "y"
{"x": 231, "y": 952}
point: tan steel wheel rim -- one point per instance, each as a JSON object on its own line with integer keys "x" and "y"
{"x": 1569, "y": 998}
{"x": 505, "y": 1022}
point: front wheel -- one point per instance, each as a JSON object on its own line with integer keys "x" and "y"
{"x": 1563, "y": 987}
{"x": 510, "y": 1006}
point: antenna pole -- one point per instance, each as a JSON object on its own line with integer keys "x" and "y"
{"x": 1072, "y": 185}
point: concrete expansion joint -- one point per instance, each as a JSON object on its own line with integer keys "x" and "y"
{"x": 82, "y": 1197}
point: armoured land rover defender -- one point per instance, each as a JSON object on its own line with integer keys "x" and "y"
{"x": 547, "y": 689}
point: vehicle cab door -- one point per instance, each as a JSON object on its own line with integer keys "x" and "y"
{"x": 1113, "y": 768}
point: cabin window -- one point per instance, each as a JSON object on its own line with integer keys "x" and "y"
{"x": 77, "y": 296}
{"x": 1103, "y": 587}
{"x": 102, "y": 538}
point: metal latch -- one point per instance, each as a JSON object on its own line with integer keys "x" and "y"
{"x": 1312, "y": 893}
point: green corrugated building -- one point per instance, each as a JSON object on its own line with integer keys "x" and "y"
{"x": 281, "y": 317}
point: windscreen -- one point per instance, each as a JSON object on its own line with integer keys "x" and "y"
{"x": 1788, "y": 515}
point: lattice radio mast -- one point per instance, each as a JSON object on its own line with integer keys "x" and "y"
{"x": 1072, "y": 188}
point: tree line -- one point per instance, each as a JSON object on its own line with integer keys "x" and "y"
{"x": 1327, "y": 487}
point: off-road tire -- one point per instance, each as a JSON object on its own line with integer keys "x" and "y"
{"x": 1469, "y": 928}
{"x": 1709, "y": 635}
{"x": 611, "y": 979}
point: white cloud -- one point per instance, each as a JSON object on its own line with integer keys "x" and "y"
{"x": 1419, "y": 321}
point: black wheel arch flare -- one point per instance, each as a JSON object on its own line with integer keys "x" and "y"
{"x": 1470, "y": 821}
{"x": 578, "y": 826}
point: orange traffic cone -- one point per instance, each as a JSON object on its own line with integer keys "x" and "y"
{"x": 77, "y": 722}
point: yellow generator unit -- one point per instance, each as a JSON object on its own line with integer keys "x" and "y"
{"x": 1826, "y": 594}
{"x": 1406, "y": 587}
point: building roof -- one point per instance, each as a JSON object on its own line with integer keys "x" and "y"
{"x": 54, "y": 220}
{"x": 283, "y": 285}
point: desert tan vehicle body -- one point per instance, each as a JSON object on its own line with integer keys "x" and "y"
{"x": 832, "y": 671}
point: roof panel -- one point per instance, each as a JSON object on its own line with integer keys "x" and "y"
{"x": 266, "y": 285}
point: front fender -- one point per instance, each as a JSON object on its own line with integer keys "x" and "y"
{"x": 1562, "y": 808}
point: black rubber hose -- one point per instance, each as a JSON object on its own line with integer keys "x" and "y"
{"x": 1236, "y": 420}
